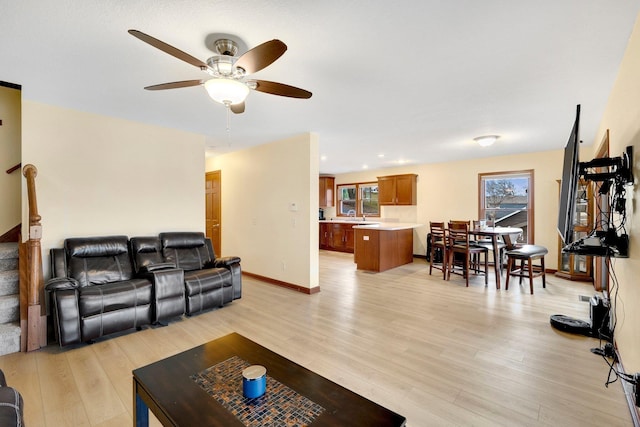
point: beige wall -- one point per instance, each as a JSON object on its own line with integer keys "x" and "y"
{"x": 622, "y": 118}
{"x": 450, "y": 191}
{"x": 10, "y": 214}
{"x": 100, "y": 175}
{"x": 259, "y": 185}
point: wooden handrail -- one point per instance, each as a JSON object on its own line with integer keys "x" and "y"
{"x": 34, "y": 335}
{"x": 15, "y": 168}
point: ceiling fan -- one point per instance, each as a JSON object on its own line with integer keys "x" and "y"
{"x": 227, "y": 84}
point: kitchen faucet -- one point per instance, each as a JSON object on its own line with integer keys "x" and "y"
{"x": 352, "y": 213}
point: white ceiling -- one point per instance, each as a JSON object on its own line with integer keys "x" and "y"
{"x": 414, "y": 81}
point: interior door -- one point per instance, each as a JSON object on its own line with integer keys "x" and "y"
{"x": 213, "y": 227}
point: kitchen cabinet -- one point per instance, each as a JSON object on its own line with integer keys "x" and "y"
{"x": 324, "y": 235}
{"x": 575, "y": 266}
{"x": 337, "y": 237}
{"x": 397, "y": 189}
{"x": 349, "y": 238}
{"x": 327, "y": 193}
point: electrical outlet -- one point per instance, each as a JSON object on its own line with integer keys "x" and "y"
{"x": 636, "y": 389}
{"x": 35, "y": 232}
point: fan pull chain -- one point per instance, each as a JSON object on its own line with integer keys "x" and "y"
{"x": 228, "y": 108}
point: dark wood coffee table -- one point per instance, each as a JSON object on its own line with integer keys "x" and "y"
{"x": 169, "y": 389}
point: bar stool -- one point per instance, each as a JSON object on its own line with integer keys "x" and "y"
{"x": 459, "y": 244}
{"x": 527, "y": 253}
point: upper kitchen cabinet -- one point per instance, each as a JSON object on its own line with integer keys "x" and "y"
{"x": 397, "y": 189}
{"x": 327, "y": 197}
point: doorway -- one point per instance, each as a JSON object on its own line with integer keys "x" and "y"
{"x": 213, "y": 226}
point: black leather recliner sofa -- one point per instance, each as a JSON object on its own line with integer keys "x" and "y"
{"x": 102, "y": 285}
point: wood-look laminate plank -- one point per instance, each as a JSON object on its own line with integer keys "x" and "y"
{"x": 118, "y": 368}
{"x": 21, "y": 372}
{"x": 97, "y": 394}
{"x": 60, "y": 396}
{"x": 432, "y": 350}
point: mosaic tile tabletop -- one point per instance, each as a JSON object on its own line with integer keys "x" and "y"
{"x": 279, "y": 406}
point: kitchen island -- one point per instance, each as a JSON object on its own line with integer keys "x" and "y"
{"x": 382, "y": 246}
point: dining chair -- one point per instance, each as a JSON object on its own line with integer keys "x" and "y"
{"x": 458, "y": 222}
{"x": 438, "y": 243}
{"x": 487, "y": 242}
{"x": 459, "y": 243}
{"x": 467, "y": 222}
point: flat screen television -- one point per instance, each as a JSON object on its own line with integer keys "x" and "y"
{"x": 569, "y": 183}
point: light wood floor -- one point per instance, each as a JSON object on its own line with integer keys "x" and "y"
{"x": 434, "y": 351}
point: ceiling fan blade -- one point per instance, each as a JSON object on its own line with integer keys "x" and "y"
{"x": 281, "y": 89}
{"x": 237, "y": 108}
{"x": 261, "y": 56}
{"x": 175, "y": 85}
{"x": 168, "y": 49}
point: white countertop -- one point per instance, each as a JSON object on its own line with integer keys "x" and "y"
{"x": 349, "y": 221}
{"x": 388, "y": 226}
{"x": 377, "y": 225}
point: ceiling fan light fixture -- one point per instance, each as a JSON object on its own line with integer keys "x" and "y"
{"x": 226, "y": 91}
{"x": 486, "y": 140}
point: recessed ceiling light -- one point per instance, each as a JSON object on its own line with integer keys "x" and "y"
{"x": 323, "y": 158}
{"x": 365, "y": 167}
{"x": 380, "y": 156}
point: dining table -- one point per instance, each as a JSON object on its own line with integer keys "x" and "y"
{"x": 509, "y": 236}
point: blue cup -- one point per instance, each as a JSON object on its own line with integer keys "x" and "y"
{"x": 254, "y": 381}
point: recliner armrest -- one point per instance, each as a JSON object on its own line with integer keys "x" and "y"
{"x": 226, "y": 261}
{"x": 157, "y": 267}
{"x": 61, "y": 283}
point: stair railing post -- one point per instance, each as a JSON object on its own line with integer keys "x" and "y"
{"x": 36, "y": 320}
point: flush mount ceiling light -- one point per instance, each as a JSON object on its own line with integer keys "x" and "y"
{"x": 486, "y": 140}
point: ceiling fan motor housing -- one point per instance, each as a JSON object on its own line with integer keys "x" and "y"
{"x": 223, "y": 65}
{"x": 226, "y": 47}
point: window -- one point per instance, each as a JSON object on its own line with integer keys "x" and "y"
{"x": 507, "y": 199}
{"x": 359, "y": 199}
{"x": 369, "y": 199}
{"x": 348, "y": 199}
